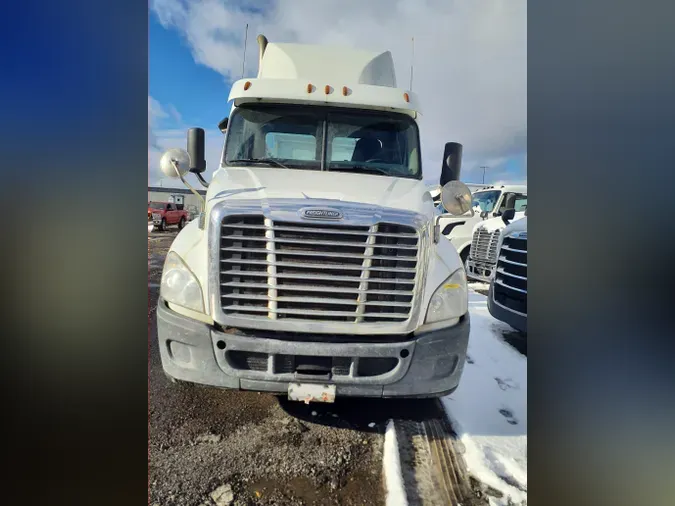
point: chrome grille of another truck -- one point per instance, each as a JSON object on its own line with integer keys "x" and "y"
{"x": 317, "y": 271}
{"x": 510, "y": 285}
{"x": 484, "y": 245}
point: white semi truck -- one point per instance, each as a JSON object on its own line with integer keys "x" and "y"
{"x": 482, "y": 259}
{"x": 487, "y": 202}
{"x": 507, "y": 297}
{"x": 317, "y": 267}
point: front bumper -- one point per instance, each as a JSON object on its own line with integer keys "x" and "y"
{"x": 481, "y": 271}
{"x": 429, "y": 365}
{"x": 501, "y": 313}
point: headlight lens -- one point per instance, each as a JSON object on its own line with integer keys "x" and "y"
{"x": 450, "y": 299}
{"x": 179, "y": 285}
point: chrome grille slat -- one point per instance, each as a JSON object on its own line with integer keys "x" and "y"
{"x": 501, "y": 270}
{"x": 365, "y": 275}
{"x": 507, "y": 261}
{"x": 309, "y": 288}
{"x": 313, "y": 300}
{"x": 308, "y": 265}
{"x": 321, "y": 254}
{"x": 275, "y": 270}
{"x": 270, "y": 246}
{"x": 310, "y": 312}
{"x": 322, "y": 243}
{"x": 322, "y": 231}
{"x": 314, "y": 277}
{"x": 513, "y": 249}
{"x": 501, "y": 282}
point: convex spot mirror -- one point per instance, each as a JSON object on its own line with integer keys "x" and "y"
{"x": 173, "y": 159}
{"x": 456, "y": 198}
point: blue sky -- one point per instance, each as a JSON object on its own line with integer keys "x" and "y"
{"x": 199, "y": 93}
{"x": 470, "y": 69}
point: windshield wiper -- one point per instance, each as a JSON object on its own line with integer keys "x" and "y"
{"x": 361, "y": 168}
{"x": 266, "y": 161}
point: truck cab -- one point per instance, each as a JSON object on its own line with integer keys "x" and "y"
{"x": 507, "y": 297}
{"x": 488, "y": 202}
{"x": 482, "y": 259}
{"x": 317, "y": 268}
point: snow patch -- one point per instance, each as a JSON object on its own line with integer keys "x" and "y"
{"x": 479, "y": 285}
{"x": 393, "y": 478}
{"x": 489, "y": 409}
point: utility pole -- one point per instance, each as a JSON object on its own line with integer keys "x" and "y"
{"x": 484, "y": 167}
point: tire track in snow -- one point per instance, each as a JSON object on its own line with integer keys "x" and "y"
{"x": 432, "y": 468}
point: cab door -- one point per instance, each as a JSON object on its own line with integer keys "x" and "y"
{"x": 171, "y": 214}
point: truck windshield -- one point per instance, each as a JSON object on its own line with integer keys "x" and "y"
{"x": 323, "y": 138}
{"x": 157, "y": 205}
{"x": 486, "y": 200}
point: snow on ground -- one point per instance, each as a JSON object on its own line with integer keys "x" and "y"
{"x": 489, "y": 409}
{"x": 396, "y": 495}
{"x": 478, "y": 285}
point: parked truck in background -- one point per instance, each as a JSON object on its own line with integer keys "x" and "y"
{"x": 507, "y": 297}
{"x": 164, "y": 214}
{"x": 488, "y": 202}
{"x": 317, "y": 267}
{"x": 482, "y": 259}
{"x": 435, "y": 191}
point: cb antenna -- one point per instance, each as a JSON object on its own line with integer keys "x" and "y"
{"x": 412, "y": 60}
{"x": 243, "y": 65}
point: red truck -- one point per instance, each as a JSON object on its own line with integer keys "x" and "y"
{"x": 166, "y": 213}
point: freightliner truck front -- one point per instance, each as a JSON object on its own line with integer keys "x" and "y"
{"x": 317, "y": 268}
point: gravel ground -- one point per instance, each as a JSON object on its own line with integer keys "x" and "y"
{"x": 267, "y": 450}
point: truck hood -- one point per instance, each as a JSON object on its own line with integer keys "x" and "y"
{"x": 497, "y": 223}
{"x": 518, "y": 225}
{"x": 253, "y": 183}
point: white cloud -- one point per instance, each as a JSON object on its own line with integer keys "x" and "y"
{"x": 155, "y": 111}
{"x": 161, "y": 139}
{"x": 470, "y": 59}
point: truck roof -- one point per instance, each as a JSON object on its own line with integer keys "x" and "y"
{"x": 504, "y": 187}
{"x": 316, "y": 74}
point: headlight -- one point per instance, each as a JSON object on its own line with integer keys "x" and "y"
{"x": 450, "y": 299}
{"x": 179, "y": 285}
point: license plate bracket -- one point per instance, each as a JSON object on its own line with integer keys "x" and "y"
{"x": 311, "y": 392}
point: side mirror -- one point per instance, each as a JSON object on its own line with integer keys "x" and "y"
{"x": 456, "y": 198}
{"x": 195, "y": 148}
{"x": 222, "y": 126}
{"x": 452, "y": 162}
{"x": 172, "y": 160}
{"x": 508, "y": 215}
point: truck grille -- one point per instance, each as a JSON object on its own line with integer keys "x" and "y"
{"x": 484, "y": 245}
{"x": 510, "y": 286}
{"x": 323, "y": 272}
